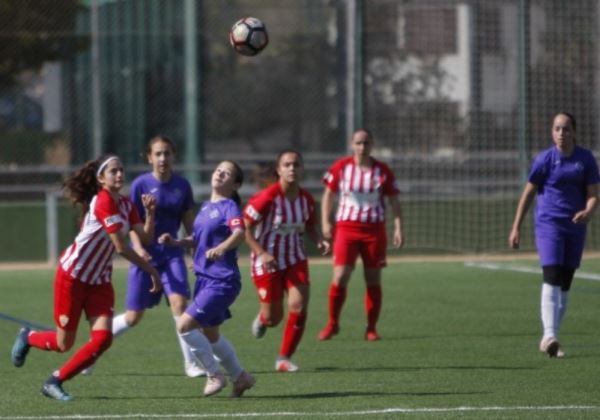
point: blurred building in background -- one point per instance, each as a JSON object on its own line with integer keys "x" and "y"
{"x": 459, "y": 94}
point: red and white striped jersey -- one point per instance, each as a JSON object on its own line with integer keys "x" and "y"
{"x": 361, "y": 192}
{"x": 279, "y": 225}
{"x": 89, "y": 258}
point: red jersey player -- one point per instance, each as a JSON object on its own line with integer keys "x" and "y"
{"x": 83, "y": 276}
{"x": 276, "y": 219}
{"x": 361, "y": 183}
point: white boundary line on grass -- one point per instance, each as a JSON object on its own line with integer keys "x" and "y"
{"x": 307, "y": 413}
{"x": 525, "y": 269}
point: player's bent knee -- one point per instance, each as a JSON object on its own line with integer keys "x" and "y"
{"x": 272, "y": 321}
{"x": 133, "y": 320}
{"x": 63, "y": 347}
{"x": 552, "y": 275}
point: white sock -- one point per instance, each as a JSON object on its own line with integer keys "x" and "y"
{"x": 226, "y": 354}
{"x": 202, "y": 349}
{"x": 119, "y": 325}
{"x": 562, "y": 307}
{"x": 188, "y": 356}
{"x": 550, "y": 309}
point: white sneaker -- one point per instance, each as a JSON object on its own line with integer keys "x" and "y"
{"x": 193, "y": 370}
{"x": 283, "y": 364}
{"x": 214, "y": 384}
{"x": 258, "y": 328}
{"x": 550, "y": 346}
{"x": 88, "y": 370}
{"x": 243, "y": 383}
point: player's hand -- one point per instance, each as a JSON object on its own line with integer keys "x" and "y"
{"x": 398, "y": 239}
{"x": 581, "y": 217}
{"x": 514, "y": 239}
{"x": 268, "y": 261}
{"x": 166, "y": 239}
{"x": 214, "y": 253}
{"x": 156, "y": 284}
{"x": 324, "y": 246}
{"x": 149, "y": 203}
{"x": 143, "y": 253}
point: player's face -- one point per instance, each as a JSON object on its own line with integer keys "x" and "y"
{"x": 223, "y": 178}
{"x": 161, "y": 158}
{"x": 563, "y": 133}
{"x": 112, "y": 177}
{"x": 361, "y": 144}
{"x": 290, "y": 167}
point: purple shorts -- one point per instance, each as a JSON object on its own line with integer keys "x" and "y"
{"x": 212, "y": 299}
{"x": 560, "y": 248}
{"x": 173, "y": 275}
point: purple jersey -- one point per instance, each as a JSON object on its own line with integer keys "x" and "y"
{"x": 213, "y": 224}
{"x": 173, "y": 198}
{"x": 562, "y": 187}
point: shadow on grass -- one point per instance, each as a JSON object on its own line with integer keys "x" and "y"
{"x": 309, "y": 396}
{"x": 417, "y": 368}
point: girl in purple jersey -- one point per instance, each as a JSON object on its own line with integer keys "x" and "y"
{"x": 565, "y": 178}
{"x": 218, "y": 231}
{"x": 175, "y": 206}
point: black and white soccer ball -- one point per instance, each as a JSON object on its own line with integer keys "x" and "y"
{"x": 248, "y": 36}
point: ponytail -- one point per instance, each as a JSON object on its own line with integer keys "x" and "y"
{"x": 239, "y": 179}
{"x": 83, "y": 185}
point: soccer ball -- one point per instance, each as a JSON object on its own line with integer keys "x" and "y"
{"x": 248, "y": 36}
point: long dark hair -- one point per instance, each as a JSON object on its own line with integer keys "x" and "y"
{"x": 83, "y": 185}
{"x": 239, "y": 179}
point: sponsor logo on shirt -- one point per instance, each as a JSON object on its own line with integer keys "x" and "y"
{"x": 289, "y": 228}
{"x": 113, "y": 220}
{"x": 251, "y": 211}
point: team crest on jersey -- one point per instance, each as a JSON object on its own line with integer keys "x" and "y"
{"x": 579, "y": 166}
{"x": 63, "y": 320}
{"x": 262, "y": 292}
{"x": 214, "y": 214}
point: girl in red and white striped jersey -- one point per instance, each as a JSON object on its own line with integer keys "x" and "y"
{"x": 276, "y": 219}
{"x": 361, "y": 183}
{"x": 83, "y": 276}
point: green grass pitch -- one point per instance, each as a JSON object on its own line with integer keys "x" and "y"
{"x": 458, "y": 342}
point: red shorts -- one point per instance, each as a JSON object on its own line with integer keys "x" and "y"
{"x": 370, "y": 241}
{"x": 71, "y": 297}
{"x": 270, "y": 286}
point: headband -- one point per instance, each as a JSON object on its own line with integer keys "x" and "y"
{"x": 103, "y": 165}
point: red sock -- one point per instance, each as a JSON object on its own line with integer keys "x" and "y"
{"x": 294, "y": 328}
{"x": 372, "y": 305}
{"x": 43, "y": 340}
{"x": 337, "y": 297}
{"x": 100, "y": 341}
